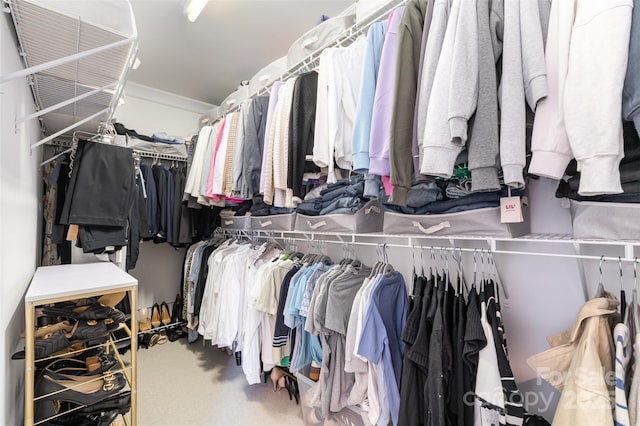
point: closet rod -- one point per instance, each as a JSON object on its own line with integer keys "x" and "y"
{"x": 56, "y": 156}
{"x": 148, "y": 154}
{"x": 627, "y": 258}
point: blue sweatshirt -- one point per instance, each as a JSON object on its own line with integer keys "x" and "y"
{"x": 364, "y": 110}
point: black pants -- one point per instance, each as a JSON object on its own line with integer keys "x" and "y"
{"x": 99, "y": 190}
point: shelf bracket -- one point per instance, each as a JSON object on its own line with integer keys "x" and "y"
{"x": 64, "y": 103}
{"x": 61, "y": 61}
{"x": 628, "y": 251}
{"x": 66, "y": 129}
{"x": 583, "y": 277}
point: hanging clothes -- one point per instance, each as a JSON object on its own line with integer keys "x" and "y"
{"x": 587, "y": 350}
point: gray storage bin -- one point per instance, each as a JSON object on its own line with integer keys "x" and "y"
{"x": 235, "y": 222}
{"x": 479, "y": 222}
{"x": 279, "y": 222}
{"x": 267, "y": 75}
{"x": 608, "y": 221}
{"x": 317, "y": 37}
{"x": 368, "y": 219}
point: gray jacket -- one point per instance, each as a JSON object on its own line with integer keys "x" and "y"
{"x": 254, "y": 144}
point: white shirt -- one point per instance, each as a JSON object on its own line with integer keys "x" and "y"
{"x": 339, "y": 75}
{"x": 193, "y": 179}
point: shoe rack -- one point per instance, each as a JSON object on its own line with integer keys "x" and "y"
{"x": 52, "y": 284}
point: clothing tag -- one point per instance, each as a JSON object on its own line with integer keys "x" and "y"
{"x": 564, "y": 203}
{"x": 72, "y": 233}
{"x": 511, "y": 210}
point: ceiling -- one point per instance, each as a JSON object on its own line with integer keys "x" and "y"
{"x": 230, "y": 42}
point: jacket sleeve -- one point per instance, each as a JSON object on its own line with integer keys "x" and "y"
{"x": 433, "y": 48}
{"x": 463, "y": 86}
{"x": 483, "y": 145}
{"x": 550, "y": 147}
{"x": 366, "y": 93}
{"x": 439, "y": 154}
{"x": 401, "y": 141}
{"x": 513, "y": 114}
{"x": 533, "y": 66}
{"x": 597, "y": 61}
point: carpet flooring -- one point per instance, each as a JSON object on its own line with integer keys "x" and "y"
{"x": 182, "y": 384}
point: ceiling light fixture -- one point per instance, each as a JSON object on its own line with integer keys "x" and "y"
{"x": 193, "y": 9}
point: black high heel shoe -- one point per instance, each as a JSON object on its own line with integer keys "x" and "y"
{"x": 175, "y": 331}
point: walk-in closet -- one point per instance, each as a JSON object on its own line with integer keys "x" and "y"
{"x": 320, "y": 212}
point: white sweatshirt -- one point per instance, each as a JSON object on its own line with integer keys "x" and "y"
{"x": 593, "y": 95}
{"x": 586, "y": 55}
{"x": 549, "y": 142}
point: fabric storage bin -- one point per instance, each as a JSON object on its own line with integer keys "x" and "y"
{"x": 317, "y": 37}
{"x": 235, "y": 222}
{"x": 267, "y": 75}
{"x": 480, "y": 222}
{"x": 210, "y": 117}
{"x": 278, "y": 222}
{"x": 368, "y": 219}
{"x": 312, "y": 416}
{"x": 234, "y": 99}
{"x": 609, "y": 221}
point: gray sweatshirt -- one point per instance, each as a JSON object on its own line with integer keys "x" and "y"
{"x": 533, "y": 65}
{"x": 631, "y": 92}
{"x": 512, "y": 105}
{"x": 484, "y": 144}
{"x": 435, "y": 39}
{"x": 438, "y": 153}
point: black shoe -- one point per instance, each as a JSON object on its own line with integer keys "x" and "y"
{"x": 98, "y": 311}
{"x": 120, "y": 403}
{"x": 52, "y": 385}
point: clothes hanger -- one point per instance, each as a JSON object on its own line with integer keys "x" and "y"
{"x": 496, "y": 276}
{"x": 623, "y": 296}
{"x": 634, "y": 296}
{"x": 475, "y": 269}
{"x": 600, "y": 292}
{"x": 387, "y": 267}
{"x": 461, "y": 281}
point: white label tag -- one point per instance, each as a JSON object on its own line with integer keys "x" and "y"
{"x": 511, "y": 210}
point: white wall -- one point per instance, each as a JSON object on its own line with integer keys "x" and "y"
{"x": 148, "y": 110}
{"x": 20, "y": 219}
